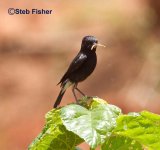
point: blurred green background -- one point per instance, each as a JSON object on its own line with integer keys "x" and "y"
{"x": 35, "y": 51}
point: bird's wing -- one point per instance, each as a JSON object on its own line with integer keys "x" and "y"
{"x": 76, "y": 63}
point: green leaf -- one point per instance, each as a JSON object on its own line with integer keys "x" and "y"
{"x": 93, "y": 124}
{"x": 54, "y": 136}
{"x": 141, "y": 130}
{"x": 118, "y": 142}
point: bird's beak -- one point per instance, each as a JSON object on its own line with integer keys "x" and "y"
{"x": 97, "y": 44}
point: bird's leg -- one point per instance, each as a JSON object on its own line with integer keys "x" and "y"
{"x": 79, "y": 90}
{"x": 73, "y": 90}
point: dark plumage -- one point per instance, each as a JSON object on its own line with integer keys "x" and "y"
{"x": 80, "y": 68}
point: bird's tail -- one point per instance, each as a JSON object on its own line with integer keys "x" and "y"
{"x": 59, "y": 98}
{"x": 65, "y": 85}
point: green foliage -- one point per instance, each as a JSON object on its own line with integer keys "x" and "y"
{"x": 54, "y": 136}
{"x": 98, "y": 123}
{"x": 142, "y": 128}
{"x": 93, "y": 124}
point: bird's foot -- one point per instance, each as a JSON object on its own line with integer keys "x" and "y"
{"x": 85, "y": 101}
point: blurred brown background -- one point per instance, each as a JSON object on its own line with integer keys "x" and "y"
{"x": 35, "y": 51}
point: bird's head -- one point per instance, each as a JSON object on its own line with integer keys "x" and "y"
{"x": 90, "y": 43}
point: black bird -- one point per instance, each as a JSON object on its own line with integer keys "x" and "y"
{"x": 80, "y": 68}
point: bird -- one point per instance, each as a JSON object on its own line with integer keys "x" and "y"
{"x": 80, "y": 68}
